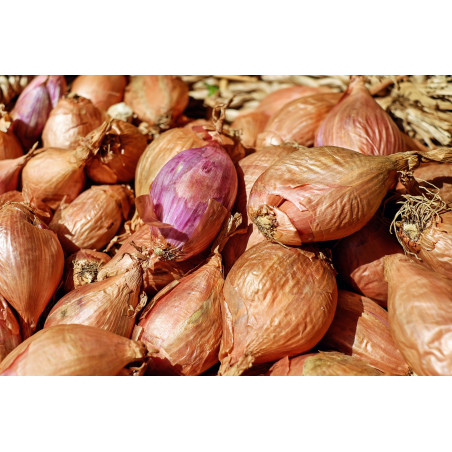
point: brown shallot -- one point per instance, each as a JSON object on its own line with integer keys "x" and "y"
{"x": 157, "y": 99}
{"x": 248, "y": 126}
{"x": 278, "y": 301}
{"x": 72, "y": 118}
{"x": 116, "y": 147}
{"x": 92, "y": 219}
{"x": 102, "y": 90}
{"x": 10, "y": 147}
{"x": 357, "y": 122}
{"x": 361, "y": 328}
{"x": 420, "y": 315}
{"x": 111, "y": 304}
{"x": 298, "y": 120}
{"x": 31, "y": 263}
{"x": 327, "y": 193}
{"x": 73, "y": 350}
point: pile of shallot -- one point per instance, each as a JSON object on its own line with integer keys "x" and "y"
{"x": 311, "y": 236}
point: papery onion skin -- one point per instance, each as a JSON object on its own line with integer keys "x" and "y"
{"x": 359, "y": 259}
{"x": 432, "y": 245}
{"x": 184, "y": 325}
{"x": 278, "y": 301}
{"x": 72, "y": 118}
{"x": 82, "y": 268}
{"x": 420, "y": 315}
{"x": 276, "y": 100}
{"x": 11, "y": 196}
{"x": 357, "y": 122}
{"x": 193, "y": 194}
{"x": 324, "y": 364}
{"x": 53, "y": 175}
{"x": 34, "y": 105}
{"x": 249, "y": 125}
{"x": 10, "y": 147}
{"x": 361, "y": 328}
{"x": 161, "y": 151}
{"x": 157, "y": 99}
{"x": 102, "y": 90}
{"x": 10, "y": 170}
{"x": 297, "y": 121}
{"x": 76, "y": 350}
{"x": 326, "y": 193}
{"x": 117, "y": 147}
{"x": 111, "y": 304}
{"x": 31, "y": 263}
{"x": 158, "y": 274}
{"x": 10, "y": 336}
{"x": 92, "y": 219}
{"x": 248, "y": 170}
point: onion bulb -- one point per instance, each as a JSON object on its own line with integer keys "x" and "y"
{"x": 93, "y": 218}
{"x": 326, "y": 193}
{"x": 71, "y": 119}
{"x": 157, "y": 99}
{"x": 420, "y": 315}
{"x": 31, "y": 263}
{"x": 102, "y": 90}
{"x": 361, "y": 328}
{"x": 357, "y": 122}
{"x": 111, "y": 304}
{"x": 75, "y": 350}
{"x": 248, "y": 126}
{"x": 278, "y": 301}
{"x": 298, "y": 120}
{"x": 116, "y": 147}
{"x": 189, "y": 199}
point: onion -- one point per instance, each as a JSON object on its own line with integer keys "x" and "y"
{"x": 82, "y": 267}
{"x": 359, "y": 259}
{"x": 357, "y": 122}
{"x": 189, "y": 199}
{"x": 54, "y": 175}
{"x": 102, "y": 90}
{"x": 116, "y": 146}
{"x": 360, "y": 328}
{"x": 31, "y": 263}
{"x": 249, "y": 125}
{"x": 11, "y": 196}
{"x": 326, "y": 193}
{"x": 276, "y": 100}
{"x": 10, "y": 170}
{"x": 420, "y": 315}
{"x": 111, "y": 304}
{"x": 72, "y": 118}
{"x": 185, "y": 323}
{"x": 424, "y": 228}
{"x": 323, "y": 364}
{"x": 248, "y": 170}
{"x": 157, "y": 99}
{"x": 93, "y": 218}
{"x": 298, "y": 120}
{"x": 10, "y": 336}
{"x": 278, "y": 301}
{"x": 34, "y": 105}
{"x": 158, "y": 274}
{"x": 10, "y": 147}
{"x": 73, "y": 350}
{"x": 159, "y": 152}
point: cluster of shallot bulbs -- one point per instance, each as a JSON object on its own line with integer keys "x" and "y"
{"x": 309, "y": 237}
